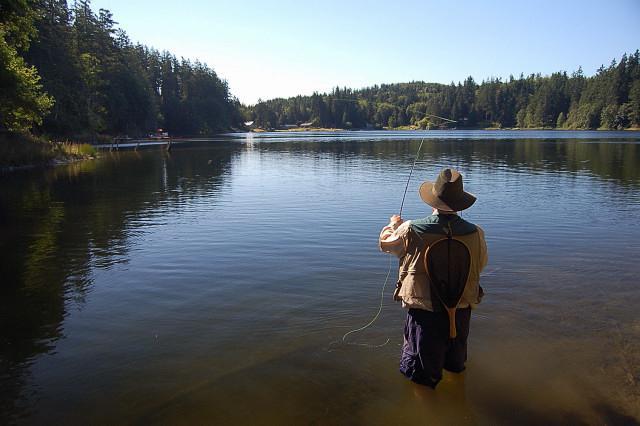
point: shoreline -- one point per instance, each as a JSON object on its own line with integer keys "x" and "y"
{"x": 412, "y": 128}
{"x": 25, "y": 151}
{"x": 53, "y": 163}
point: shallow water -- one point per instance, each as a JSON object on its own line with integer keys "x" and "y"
{"x": 210, "y": 284}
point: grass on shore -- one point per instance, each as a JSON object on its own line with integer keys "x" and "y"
{"x": 24, "y": 149}
{"x": 77, "y": 150}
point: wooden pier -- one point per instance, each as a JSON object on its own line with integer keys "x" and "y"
{"x": 130, "y": 143}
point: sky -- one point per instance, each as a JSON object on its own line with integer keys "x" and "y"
{"x": 285, "y": 48}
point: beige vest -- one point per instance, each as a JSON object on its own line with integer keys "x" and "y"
{"x": 413, "y": 281}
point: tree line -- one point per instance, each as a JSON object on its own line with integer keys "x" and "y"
{"x": 70, "y": 72}
{"x": 610, "y": 99}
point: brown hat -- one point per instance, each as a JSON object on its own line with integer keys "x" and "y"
{"x": 447, "y": 192}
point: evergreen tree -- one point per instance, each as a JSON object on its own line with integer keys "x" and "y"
{"x": 559, "y": 100}
{"x": 634, "y": 103}
{"x": 22, "y": 100}
{"x": 102, "y": 83}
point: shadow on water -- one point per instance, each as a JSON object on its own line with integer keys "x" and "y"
{"x": 282, "y": 391}
{"x": 58, "y": 224}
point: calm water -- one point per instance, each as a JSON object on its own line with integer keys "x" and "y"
{"x": 207, "y": 285}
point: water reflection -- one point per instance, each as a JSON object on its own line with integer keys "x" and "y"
{"x": 59, "y": 224}
{"x": 609, "y": 159}
{"x": 184, "y": 283}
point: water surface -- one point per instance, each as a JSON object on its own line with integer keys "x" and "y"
{"x": 210, "y": 284}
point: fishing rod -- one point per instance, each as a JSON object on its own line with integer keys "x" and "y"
{"x": 409, "y": 178}
{"x": 386, "y": 280}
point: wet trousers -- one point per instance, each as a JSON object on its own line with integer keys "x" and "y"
{"x": 427, "y": 348}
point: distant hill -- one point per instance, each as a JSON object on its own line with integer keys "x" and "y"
{"x": 608, "y": 100}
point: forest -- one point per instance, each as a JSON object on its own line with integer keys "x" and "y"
{"x": 68, "y": 72}
{"x": 610, "y": 99}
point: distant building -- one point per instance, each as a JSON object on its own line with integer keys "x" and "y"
{"x": 309, "y": 124}
{"x": 249, "y": 123}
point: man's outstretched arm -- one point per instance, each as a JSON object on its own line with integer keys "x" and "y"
{"x": 391, "y": 237}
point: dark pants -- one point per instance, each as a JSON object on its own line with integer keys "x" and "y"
{"x": 427, "y": 347}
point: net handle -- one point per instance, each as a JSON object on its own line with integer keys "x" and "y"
{"x": 451, "y": 312}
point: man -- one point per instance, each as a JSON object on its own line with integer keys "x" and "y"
{"x": 428, "y": 347}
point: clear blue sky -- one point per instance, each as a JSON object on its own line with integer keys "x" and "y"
{"x": 283, "y": 48}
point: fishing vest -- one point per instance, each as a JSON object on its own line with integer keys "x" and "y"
{"x": 413, "y": 280}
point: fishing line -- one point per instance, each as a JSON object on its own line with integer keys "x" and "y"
{"x": 386, "y": 280}
{"x": 409, "y": 178}
{"x": 413, "y": 112}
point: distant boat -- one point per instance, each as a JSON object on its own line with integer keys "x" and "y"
{"x": 159, "y": 134}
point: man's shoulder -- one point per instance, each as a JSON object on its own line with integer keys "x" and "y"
{"x": 463, "y": 227}
{"x": 434, "y": 224}
{"x": 426, "y": 225}
{"x": 480, "y": 231}
{"x": 429, "y": 220}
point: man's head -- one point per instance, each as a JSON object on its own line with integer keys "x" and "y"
{"x": 447, "y": 193}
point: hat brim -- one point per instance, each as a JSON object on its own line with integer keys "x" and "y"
{"x": 463, "y": 202}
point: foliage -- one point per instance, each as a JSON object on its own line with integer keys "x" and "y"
{"x": 81, "y": 150}
{"x": 69, "y": 72}
{"x": 22, "y": 102}
{"x": 609, "y": 100}
{"x": 101, "y": 82}
{"x": 21, "y": 148}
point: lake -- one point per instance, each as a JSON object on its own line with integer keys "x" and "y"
{"x": 214, "y": 283}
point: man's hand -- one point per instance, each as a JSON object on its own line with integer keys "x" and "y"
{"x": 395, "y": 220}
{"x": 396, "y": 295}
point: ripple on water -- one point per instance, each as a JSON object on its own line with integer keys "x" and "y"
{"x": 191, "y": 285}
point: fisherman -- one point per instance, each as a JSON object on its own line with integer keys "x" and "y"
{"x": 428, "y": 346}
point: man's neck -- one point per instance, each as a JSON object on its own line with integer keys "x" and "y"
{"x": 443, "y": 212}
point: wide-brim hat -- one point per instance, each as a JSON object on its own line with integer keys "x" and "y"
{"x": 447, "y": 192}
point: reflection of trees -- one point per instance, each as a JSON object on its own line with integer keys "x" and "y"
{"x": 56, "y": 225}
{"x": 617, "y": 159}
